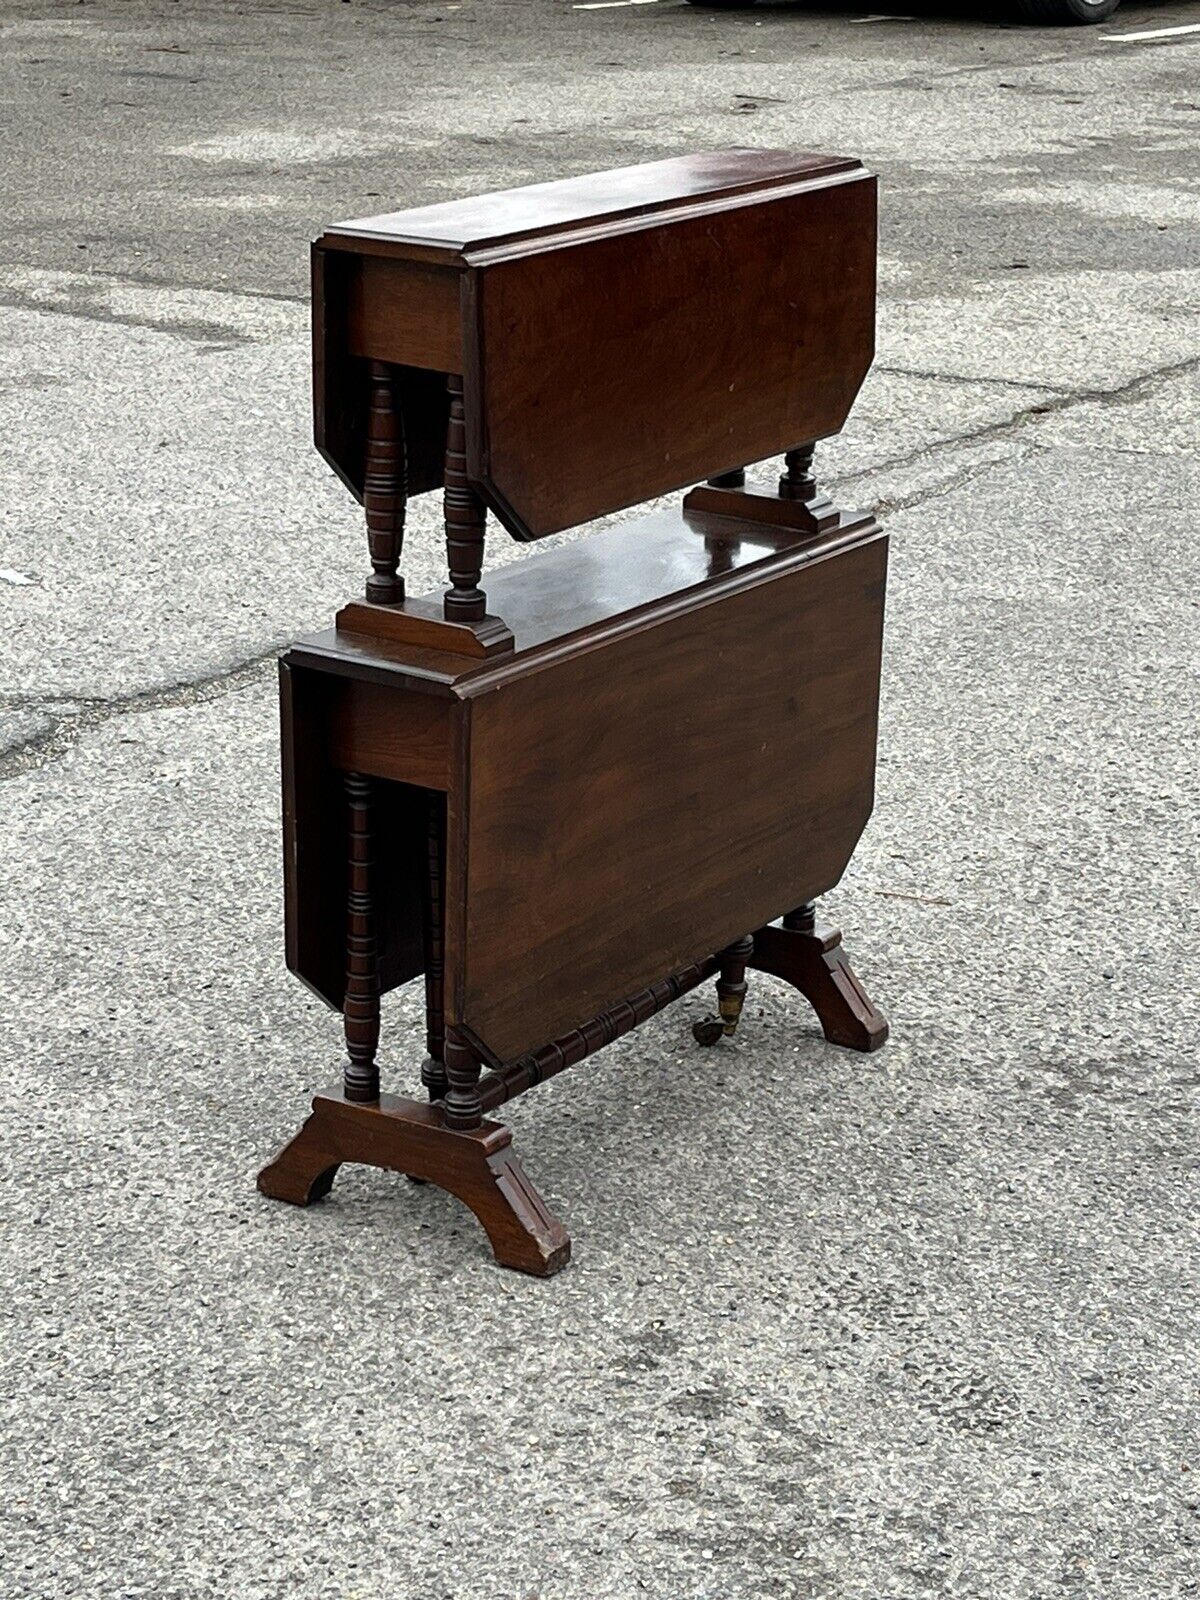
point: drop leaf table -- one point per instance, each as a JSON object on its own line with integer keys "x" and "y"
{"x": 636, "y": 760}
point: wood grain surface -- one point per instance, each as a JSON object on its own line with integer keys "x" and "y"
{"x": 610, "y": 370}
{"x": 639, "y": 804}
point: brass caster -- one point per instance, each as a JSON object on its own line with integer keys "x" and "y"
{"x": 709, "y": 1030}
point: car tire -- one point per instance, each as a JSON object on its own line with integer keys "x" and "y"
{"x": 1060, "y": 12}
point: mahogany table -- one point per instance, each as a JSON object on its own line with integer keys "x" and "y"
{"x": 639, "y": 758}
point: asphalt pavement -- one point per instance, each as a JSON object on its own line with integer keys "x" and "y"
{"x": 918, "y": 1324}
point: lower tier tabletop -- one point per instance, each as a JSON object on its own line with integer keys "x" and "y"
{"x": 653, "y": 773}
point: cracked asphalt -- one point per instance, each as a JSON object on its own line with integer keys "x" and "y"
{"x": 920, "y": 1324}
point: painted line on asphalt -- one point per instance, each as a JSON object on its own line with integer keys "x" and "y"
{"x": 1152, "y": 33}
{"x": 611, "y": 5}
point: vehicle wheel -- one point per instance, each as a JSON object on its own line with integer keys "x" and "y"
{"x": 1067, "y": 11}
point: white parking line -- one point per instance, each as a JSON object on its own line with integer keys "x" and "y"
{"x": 1153, "y": 33}
{"x": 611, "y": 5}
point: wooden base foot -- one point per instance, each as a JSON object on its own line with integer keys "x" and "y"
{"x": 816, "y": 964}
{"x": 817, "y": 516}
{"x": 479, "y": 1168}
{"x": 418, "y": 622}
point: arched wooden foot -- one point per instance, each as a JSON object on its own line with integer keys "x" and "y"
{"x": 304, "y": 1170}
{"x": 478, "y": 1167}
{"x": 809, "y": 955}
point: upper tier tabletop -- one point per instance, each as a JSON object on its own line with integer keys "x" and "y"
{"x": 617, "y": 336}
{"x": 491, "y": 221}
{"x": 552, "y": 598}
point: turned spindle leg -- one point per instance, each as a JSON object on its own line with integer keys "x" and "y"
{"x": 462, "y": 1107}
{"x": 361, "y": 1005}
{"x": 731, "y": 993}
{"x": 803, "y": 919}
{"x": 433, "y": 1069}
{"x": 731, "y": 982}
{"x": 465, "y": 520}
{"x": 385, "y": 486}
{"x": 798, "y": 482}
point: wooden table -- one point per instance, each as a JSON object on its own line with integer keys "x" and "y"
{"x": 574, "y": 798}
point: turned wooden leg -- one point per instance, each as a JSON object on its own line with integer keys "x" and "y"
{"x": 728, "y": 480}
{"x": 462, "y": 1107}
{"x": 798, "y": 483}
{"x": 361, "y": 1005}
{"x": 385, "y": 486}
{"x": 433, "y": 1069}
{"x": 479, "y": 1167}
{"x": 810, "y": 957}
{"x": 731, "y": 993}
{"x": 466, "y": 518}
{"x": 731, "y": 983}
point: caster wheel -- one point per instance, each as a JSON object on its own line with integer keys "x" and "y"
{"x": 708, "y": 1031}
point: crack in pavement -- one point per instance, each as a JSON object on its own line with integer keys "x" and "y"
{"x": 956, "y": 480}
{"x": 87, "y": 712}
{"x": 1058, "y": 400}
{"x": 68, "y": 728}
{"x": 954, "y": 377}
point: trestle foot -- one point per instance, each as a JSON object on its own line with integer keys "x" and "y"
{"x": 809, "y": 956}
{"x": 478, "y": 1167}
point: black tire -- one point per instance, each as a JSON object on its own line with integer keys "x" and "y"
{"x": 1060, "y": 12}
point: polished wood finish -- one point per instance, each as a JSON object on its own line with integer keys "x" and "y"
{"x": 401, "y": 713}
{"x": 799, "y": 504}
{"x": 408, "y": 739}
{"x": 607, "y": 768}
{"x": 360, "y": 1008}
{"x": 424, "y": 623}
{"x": 693, "y": 592}
{"x": 511, "y": 218}
{"x": 810, "y": 957}
{"x": 749, "y": 506}
{"x": 342, "y": 385}
{"x": 798, "y": 486}
{"x": 433, "y": 922}
{"x": 654, "y": 385}
{"x": 590, "y": 780}
{"x": 505, "y": 1082}
{"x": 385, "y": 487}
{"x": 466, "y": 517}
{"x": 594, "y": 340}
{"x": 314, "y": 854}
{"x": 479, "y": 1168}
{"x": 669, "y": 556}
{"x": 463, "y": 1105}
{"x": 406, "y": 313}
